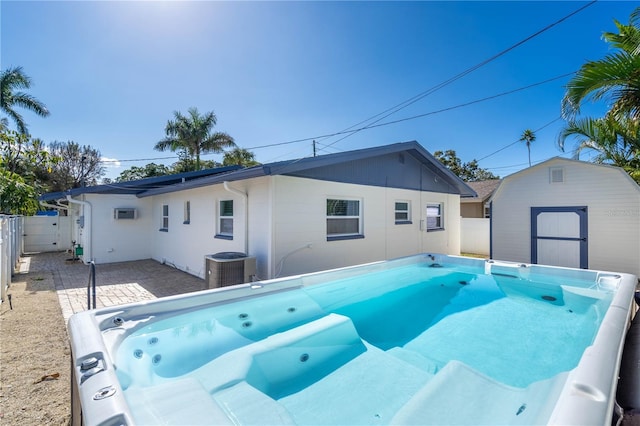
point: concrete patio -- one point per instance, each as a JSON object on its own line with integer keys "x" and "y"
{"x": 116, "y": 283}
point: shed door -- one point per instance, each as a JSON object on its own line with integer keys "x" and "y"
{"x": 559, "y": 236}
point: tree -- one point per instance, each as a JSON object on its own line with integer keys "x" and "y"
{"x": 192, "y": 135}
{"x": 469, "y": 172}
{"x": 528, "y": 137}
{"x": 12, "y": 80}
{"x": 615, "y": 139}
{"x": 150, "y": 170}
{"x": 614, "y": 78}
{"x": 78, "y": 166}
{"x": 22, "y": 161}
{"x": 239, "y": 157}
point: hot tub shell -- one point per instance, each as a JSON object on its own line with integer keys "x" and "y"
{"x": 587, "y": 395}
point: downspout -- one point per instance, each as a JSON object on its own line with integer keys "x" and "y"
{"x": 87, "y": 224}
{"x": 245, "y": 198}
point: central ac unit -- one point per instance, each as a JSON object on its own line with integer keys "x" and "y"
{"x": 229, "y": 268}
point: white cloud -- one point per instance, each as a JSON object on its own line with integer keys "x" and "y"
{"x": 110, "y": 162}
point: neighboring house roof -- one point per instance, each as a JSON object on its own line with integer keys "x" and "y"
{"x": 138, "y": 186}
{"x": 379, "y": 166}
{"x": 484, "y": 189}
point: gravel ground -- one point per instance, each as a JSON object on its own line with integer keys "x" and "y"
{"x": 34, "y": 354}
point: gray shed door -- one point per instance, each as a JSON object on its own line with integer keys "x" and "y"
{"x": 559, "y": 236}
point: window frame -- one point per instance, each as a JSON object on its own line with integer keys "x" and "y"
{"x": 345, "y": 235}
{"x": 164, "y": 223}
{"x": 440, "y": 217}
{"x": 187, "y": 213}
{"x": 220, "y": 233}
{"x": 406, "y": 221}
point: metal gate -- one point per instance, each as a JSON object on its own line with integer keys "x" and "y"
{"x": 559, "y": 236}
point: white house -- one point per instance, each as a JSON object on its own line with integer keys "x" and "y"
{"x": 294, "y": 216}
{"x": 568, "y": 213}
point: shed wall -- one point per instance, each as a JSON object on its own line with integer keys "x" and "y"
{"x": 613, "y": 203}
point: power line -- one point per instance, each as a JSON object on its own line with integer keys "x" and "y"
{"x": 513, "y": 143}
{"x": 387, "y": 123}
{"x": 458, "y": 76}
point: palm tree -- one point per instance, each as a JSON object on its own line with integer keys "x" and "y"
{"x": 616, "y": 140}
{"x": 11, "y": 81}
{"x": 239, "y": 157}
{"x": 528, "y": 137}
{"x": 192, "y": 134}
{"x": 615, "y": 78}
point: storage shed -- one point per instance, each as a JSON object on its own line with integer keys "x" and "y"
{"x": 568, "y": 213}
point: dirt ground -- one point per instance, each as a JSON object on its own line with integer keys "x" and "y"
{"x": 34, "y": 355}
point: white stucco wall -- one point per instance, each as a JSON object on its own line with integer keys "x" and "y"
{"x": 287, "y": 214}
{"x": 613, "y": 202}
{"x": 300, "y": 219}
{"x": 117, "y": 240}
{"x": 186, "y": 245}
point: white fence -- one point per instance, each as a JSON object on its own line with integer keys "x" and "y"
{"x": 10, "y": 249}
{"x": 474, "y": 235}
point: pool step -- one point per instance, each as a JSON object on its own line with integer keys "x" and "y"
{"x": 427, "y": 364}
{"x": 248, "y": 406}
{"x": 462, "y": 395}
{"x": 369, "y": 389}
{"x": 178, "y": 402}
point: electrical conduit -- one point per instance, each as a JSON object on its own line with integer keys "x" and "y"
{"x": 86, "y": 257}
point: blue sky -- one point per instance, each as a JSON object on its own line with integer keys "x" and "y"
{"x": 112, "y": 73}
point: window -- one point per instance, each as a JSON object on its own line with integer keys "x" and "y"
{"x": 225, "y": 220}
{"x": 402, "y": 213}
{"x": 187, "y": 212}
{"x": 487, "y": 211}
{"x": 435, "y": 217}
{"x": 165, "y": 218}
{"x": 344, "y": 220}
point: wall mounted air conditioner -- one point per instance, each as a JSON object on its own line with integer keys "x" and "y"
{"x": 125, "y": 213}
{"x": 229, "y": 268}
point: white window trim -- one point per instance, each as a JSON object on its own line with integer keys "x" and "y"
{"x": 441, "y": 216}
{"x": 351, "y": 235}
{"x": 164, "y": 223}
{"x": 219, "y": 232}
{"x": 407, "y": 211}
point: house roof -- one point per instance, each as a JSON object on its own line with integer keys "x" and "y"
{"x": 484, "y": 189}
{"x": 341, "y": 167}
{"x": 137, "y": 186}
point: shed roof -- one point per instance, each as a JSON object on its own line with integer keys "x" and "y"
{"x": 313, "y": 167}
{"x": 561, "y": 160}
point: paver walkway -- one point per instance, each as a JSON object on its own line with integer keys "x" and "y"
{"x": 116, "y": 283}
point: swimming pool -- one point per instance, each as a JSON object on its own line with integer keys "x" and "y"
{"x": 427, "y": 339}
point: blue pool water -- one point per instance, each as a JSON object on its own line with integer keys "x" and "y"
{"x": 405, "y": 325}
